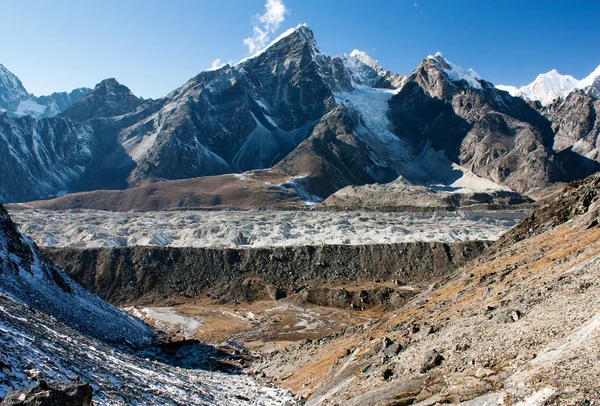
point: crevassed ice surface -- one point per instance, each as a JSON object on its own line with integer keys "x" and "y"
{"x": 91, "y": 228}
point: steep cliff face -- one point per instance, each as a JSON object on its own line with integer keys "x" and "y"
{"x": 150, "y": 275}
{"x": 576, "y": 123}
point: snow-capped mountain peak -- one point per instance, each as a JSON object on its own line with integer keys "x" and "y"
{"x": 367, "y": 60}
{"x": 301, "y": 31}
{"x": 455, "y": 72}
{"x": 591, "y": 83}
{"x": 552, "y": 85}
{"x": 545, "y": 88}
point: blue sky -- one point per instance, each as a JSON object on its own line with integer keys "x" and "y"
{"x": 155, "y": 46}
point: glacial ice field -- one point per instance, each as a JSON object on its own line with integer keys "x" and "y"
{"x": 92, "y": 228}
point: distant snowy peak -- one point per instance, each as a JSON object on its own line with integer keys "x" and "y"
{"x": 367, "y": 60}
{"x": 58, "y": 102}
{"x": 552, "y": 85}
{"x": 591, "y": 84}
{"x": 545, "y": 88}
{"x": 454, "y": 72}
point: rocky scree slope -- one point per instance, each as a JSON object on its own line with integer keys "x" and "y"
{"x": 51, "y": 328}
{"x": 518, "y": 324}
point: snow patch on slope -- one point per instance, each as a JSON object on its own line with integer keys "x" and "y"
{"x": 30, "y": 107}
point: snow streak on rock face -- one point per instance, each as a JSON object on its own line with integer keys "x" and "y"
{"x": 90, "y": 228}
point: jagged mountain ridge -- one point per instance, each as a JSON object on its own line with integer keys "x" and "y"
{"x": 255, "y": 114}
{"x": 17, "y": 102}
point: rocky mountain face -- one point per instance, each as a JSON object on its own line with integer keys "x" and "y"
{"x": 576, "y": 124}
{"x": 496, "y": 136}
{"x": 324, "y": 122}
{"x": 518, "y": 325}
{"x": 17, "y": 102}
{"x": 42, "y": 158}
{"x": 58, "y": 102}
{"x": 108, "y": 99}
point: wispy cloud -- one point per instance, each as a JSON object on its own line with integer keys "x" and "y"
{"x": 216, "y": 64}
{"x": 265, "y": 25}
{"x": 416, "y": 4}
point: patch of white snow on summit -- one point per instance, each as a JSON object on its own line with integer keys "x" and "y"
{"x": 275, "y": 41}
{"x": 457, "y": 73}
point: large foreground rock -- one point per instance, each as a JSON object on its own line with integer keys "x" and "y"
{"x": 51, "y": 394}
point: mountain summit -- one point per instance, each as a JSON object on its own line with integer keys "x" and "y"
{"x": 552, "y": 85}
{"x": 318, "y": 123}
{"x": 108, "y": 99}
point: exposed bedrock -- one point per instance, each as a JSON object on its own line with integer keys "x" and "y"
{"x": 151, "y": 275}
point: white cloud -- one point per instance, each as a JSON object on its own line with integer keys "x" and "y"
{"x": 216, "y": 64}
{"x": 265, "y": 25}
{"x": 416, "y": 4}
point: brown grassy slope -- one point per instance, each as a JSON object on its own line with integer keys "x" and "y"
{"x": 255, "y": 190}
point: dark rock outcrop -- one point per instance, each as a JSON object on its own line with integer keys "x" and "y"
{"x": 51, "y": 394}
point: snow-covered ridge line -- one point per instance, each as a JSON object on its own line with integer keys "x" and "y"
{"x": 552, "y": 85}
{"x": 285, "y": 34}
